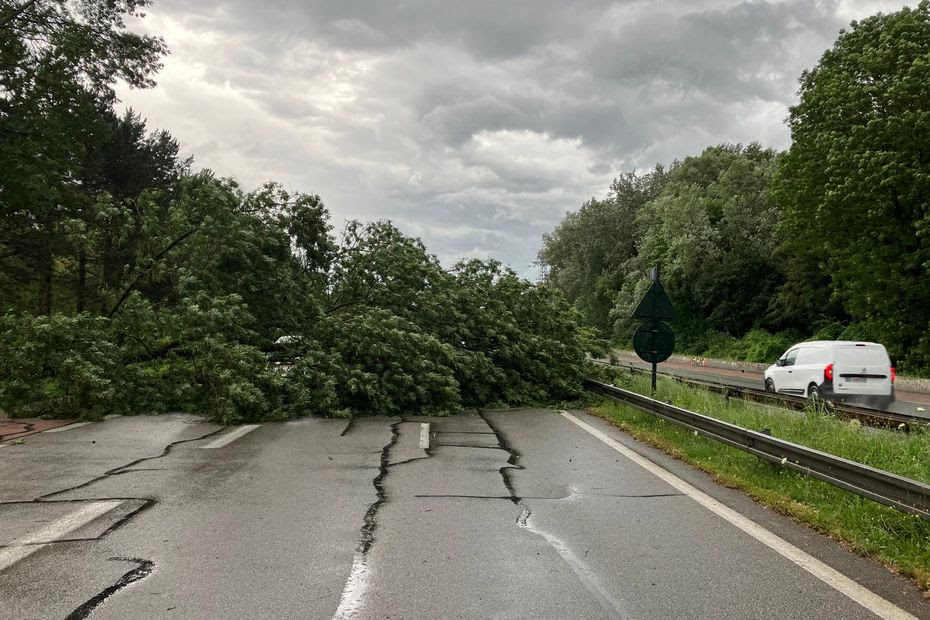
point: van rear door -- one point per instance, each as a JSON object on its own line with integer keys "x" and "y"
{"x": 862, "y": 369}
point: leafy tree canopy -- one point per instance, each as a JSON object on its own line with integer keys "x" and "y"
{"x": 827, "y": 240}
{"x": 856, "y": 182}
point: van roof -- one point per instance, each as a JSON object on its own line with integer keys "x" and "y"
{"x": 840, "y": 342}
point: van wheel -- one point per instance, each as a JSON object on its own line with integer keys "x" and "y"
{"x": 769, "y": 385}
{"x": 813, "y": 392}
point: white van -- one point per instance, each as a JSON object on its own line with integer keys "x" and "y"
{"x": 840, "y": 370}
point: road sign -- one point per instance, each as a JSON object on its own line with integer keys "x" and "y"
{"x": 654, "y": 342}
{"x": 655, "y": 304}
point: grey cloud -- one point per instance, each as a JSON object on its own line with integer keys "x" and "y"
{"x": 455, "y": 123}
{"x": 748, "y": 50}
{"x": 475, "y": 125}
{"x": 487, "y": 28}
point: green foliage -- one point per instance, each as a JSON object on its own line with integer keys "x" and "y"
{"x": 523, "y": 343}
{"x": 64, "y": 366}
{"x": 58, "y": 138}
{"x": 757, "y": 345}
{"x": 243, "y": 307}
{"x": 756, "y": 248}
{"x": 584, "y": 256}
{"x": 388, "y": 366}
{"x": 711, "y": 228}
{"x": 710, "y": 223}
{"x": 856, "y": 181}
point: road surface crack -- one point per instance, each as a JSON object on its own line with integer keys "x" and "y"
{"x": 357, "y": 583}
{"x": 348, "y": 427}
{"x": 142, "y": 570}
{"x": 512, "y": 463}
{"x": 144, "y": 502}
{"x": 584, "y": 574}
{"x": 370, "y": 521}
{"x": 125, "y": 468}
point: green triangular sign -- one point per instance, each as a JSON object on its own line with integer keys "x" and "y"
{"x": 655, "y": 305}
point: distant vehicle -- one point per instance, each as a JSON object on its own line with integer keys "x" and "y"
{"x": 837, "y": 370}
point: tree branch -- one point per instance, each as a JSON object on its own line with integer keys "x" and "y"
{"x": 152, "y": 262}
{"x": 17, "y": 13}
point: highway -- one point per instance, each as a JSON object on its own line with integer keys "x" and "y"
{"x": 491, "y": 514}
{"x": 911, "y": 403}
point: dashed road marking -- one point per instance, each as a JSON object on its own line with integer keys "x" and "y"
{"x": 231, "y": 436}
{"x": 68, "y": 427}
{"x": 830, "y": 576}
{"x": 27, "y": 545}
{"x": 424, "y": 435}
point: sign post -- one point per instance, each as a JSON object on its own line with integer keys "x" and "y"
{"x": 653, "y": 340}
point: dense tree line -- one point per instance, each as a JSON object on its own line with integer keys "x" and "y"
{"x": 759, "y": 249}
{"x": 131, "y": 283}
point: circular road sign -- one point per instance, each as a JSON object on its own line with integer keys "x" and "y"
{"x": 653, "y": 341}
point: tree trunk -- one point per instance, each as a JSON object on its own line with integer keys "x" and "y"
{"x": 81, "y": 282}
{"x": 45, "y": 284}
{"x": 106, "y": 268}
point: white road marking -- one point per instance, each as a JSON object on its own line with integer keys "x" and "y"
{"x": 424, "y": 435}
{"x": 231, "y": 436}
{"x": 833, "y": 578}
{"x": 350, "y": 603}
{"x": 587, "y": 577}
{"x": 27, "y": 545}
{"x": 67, "y": 427}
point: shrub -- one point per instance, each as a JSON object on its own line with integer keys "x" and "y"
{"x": 62, "y": 366}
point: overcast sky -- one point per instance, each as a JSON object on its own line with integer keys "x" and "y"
{"x": 475, "y": 125}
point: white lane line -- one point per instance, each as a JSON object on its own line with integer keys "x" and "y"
{"x": 424, "y": 435}
{"x": 836, "y": 580}
{"x": 350, "y": 603}
{"x": 67, "y": 427}
{"x": 588, "y": 579}
{"x": 29, "y": 544}
{"x": 231, "y": 436}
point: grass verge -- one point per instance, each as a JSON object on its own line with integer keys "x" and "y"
{"x": 900, "y": 541}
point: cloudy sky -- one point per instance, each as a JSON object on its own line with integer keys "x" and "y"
{"x": 474, "y": 124}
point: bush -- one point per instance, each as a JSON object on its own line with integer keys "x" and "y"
{"x": 716, "y": 344}
{"x": 61, "y": 366}
{"x": 390, "y": 333}
{"x": 758, "y": 345}
{"x": 762, "y": 346}
{"x": 380, "y": 364}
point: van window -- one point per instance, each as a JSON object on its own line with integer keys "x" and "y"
{"x": 862, "y": 356}
{"x": 791, "y": 357}
{"x": 809, "y": 355}
{"x": 813, "y": 355}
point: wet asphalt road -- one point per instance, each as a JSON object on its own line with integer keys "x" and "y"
{"x": 506, "y": 514}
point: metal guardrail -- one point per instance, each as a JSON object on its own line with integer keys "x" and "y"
{"x": 874, "y": 417}
{"x": 901, "y": 493}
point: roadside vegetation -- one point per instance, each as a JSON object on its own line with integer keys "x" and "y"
{"x": 900, "y": 541}
{"x": 132, "y": 283}
{"x": 761, "y": 249}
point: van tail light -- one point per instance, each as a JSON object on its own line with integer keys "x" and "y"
{"x": 893, "y": 374}
{"x": 828, "y": 372}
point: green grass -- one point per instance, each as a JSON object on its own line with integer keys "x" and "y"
{"x": 900, "y": 541}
